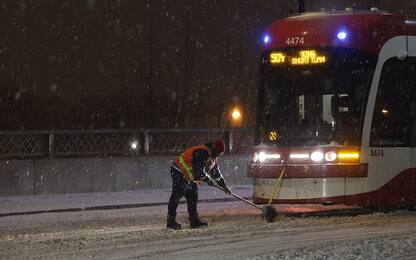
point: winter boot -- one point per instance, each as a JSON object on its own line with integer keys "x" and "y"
{"x": 172, "y": 224}
{"x": 196, "y": 223}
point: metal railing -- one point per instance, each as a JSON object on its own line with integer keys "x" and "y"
{"x": 83, "y": 143}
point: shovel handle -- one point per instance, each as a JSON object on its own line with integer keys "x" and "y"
{"x": 239, "y": 197}
{"x": 246, "y": 201}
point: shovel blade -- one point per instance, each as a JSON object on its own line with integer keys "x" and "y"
{"x": 269, "y": 213}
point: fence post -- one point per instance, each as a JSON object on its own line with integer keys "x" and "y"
{"x": 230, "y": 141}
{"x": 146, "y": 142}
{"x": 51, "y": 145}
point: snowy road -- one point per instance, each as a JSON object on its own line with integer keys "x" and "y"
{"x": 235, "y": 232}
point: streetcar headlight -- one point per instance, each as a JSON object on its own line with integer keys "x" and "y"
{"x": 317, "y": 156}
{"x": 272, "y": 156}
{"x": 262, "y": 156}
{"x": 330, "y": 156}
{"x": 299, "y": 156}
{"x": 255, "y": 157}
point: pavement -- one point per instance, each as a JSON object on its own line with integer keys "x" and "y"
{"x": 36, "y": 204}
{"x": 71, "y": 202}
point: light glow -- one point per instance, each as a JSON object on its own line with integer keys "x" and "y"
{"x": 134, "y": 145}
{"x": 330, "y": 156}
{"x": 384, "y": 111}
{"x": 273, "y": 156}
{"x": 317, "y": 156}
{"x": 342, "y": 35}
{"x": 236, "y": 114}
{"x": 262, "y": 156}
{"x": 266, "y": 39}
{"x": 412, "y": 22}
{"x": 348, "y": 155}
{"x": 255, "y": 157}
{"x": 299, "y": 156}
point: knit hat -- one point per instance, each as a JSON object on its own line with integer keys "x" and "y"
{"x": 219, "y": 145}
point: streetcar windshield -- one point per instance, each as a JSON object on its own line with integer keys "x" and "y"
{"x": 315, "y": 104}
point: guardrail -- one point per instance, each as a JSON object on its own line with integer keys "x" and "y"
{"x": 134, "y": 142}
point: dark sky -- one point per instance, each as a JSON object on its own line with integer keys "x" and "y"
{"x": 129, "y": 64}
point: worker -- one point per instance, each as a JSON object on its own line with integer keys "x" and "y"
{"x": 195, "y": 165}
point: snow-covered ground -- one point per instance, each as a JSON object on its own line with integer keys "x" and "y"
{"x": 236, "y": 231}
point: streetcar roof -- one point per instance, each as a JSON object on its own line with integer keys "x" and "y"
{"x": 362, "y": 30}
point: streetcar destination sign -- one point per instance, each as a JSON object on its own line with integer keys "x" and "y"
{"x": 304, "y": 57}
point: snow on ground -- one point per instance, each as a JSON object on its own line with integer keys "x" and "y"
{"x": 235, "y": 232}
{"x": 384, "y": 247}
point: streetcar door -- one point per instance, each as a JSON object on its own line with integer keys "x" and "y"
{"x": 384, "y": 153}
{"x": 393, "y": 123}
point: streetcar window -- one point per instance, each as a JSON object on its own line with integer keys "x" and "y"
{"x": 394, "y": 116}
{"x": 316, "y": 104}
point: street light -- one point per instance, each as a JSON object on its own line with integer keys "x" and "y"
{"x": 236, "y": 114}
{"x": 134, "y": 145}
{"x": 236, "y": 117}
{"x": 234, "y": 120}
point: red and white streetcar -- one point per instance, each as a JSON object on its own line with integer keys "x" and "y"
{"x": 336, "y": 106}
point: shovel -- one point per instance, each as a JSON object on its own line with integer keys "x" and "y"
{"x": 267, "y": 212}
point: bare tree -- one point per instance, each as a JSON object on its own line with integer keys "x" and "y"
{"x": 184, "y": 72}
{"x": 149, "y": 78}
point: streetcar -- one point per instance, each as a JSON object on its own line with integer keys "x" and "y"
{"x": 336, "y": 110}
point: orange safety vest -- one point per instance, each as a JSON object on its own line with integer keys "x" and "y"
{"x": 184, "y": 162}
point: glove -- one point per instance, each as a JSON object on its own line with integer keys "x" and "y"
{"x": 227, "y": 190}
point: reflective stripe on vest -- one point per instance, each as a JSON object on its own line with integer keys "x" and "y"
{"x": 184, "y": 162}
{"x": 188, "y": 169}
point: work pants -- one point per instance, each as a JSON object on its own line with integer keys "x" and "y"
{"x": 180, "y": 188}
